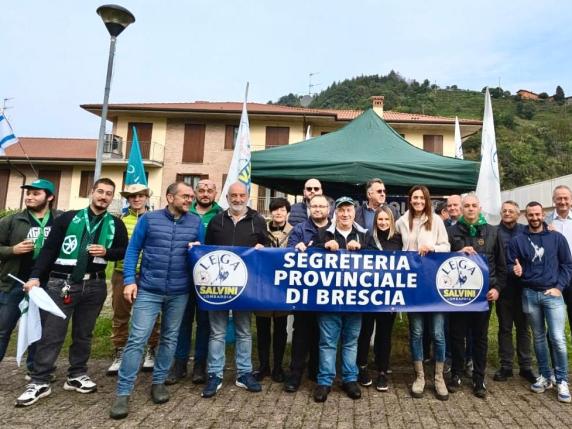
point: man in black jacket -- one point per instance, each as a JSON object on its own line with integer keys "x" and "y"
{"x": 74, "y": 258}
{"x": 343, "y": 234}
{"x": 509, "y": 307}
{"x": 472, "y": 235}
{"x": 22, "y": 236}
{"x": 237, "y": 226}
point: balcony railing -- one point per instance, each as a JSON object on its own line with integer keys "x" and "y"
{"x": 114, "y": 146}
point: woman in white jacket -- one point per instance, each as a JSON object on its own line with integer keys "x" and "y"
{"x": 423, "y": 232}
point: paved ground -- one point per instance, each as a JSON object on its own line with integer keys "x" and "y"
{"x": 508, "y": 405}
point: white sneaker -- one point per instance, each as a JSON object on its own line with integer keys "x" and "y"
{"x": 149, "y": 361}
{"x": 541, "y": 385}
{"x": 563, "y": 392}
{"x": 32, "y": 394}
{"x": 114, "y": 368}
{"x": 81, "y": 384}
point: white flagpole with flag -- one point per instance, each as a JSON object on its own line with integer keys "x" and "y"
{"x": 488, "y": 186}
{"x": 239, "y": 170}
{"x": 30, "y": 325}
{"x": 7, "y": 136}
{"x": 458, "y": 140}
{"x": 308, "y": 133}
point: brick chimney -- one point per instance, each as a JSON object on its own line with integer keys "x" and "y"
{"x": 377, "y": 101}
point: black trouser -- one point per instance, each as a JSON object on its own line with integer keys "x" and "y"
{"x": 305, "y": 340}
{"x": 509, "y": 313}
{"x": 87, "y": 299}
{"x": 277, "y": 338}
{"x": 479, "y": 325}
{"x": 382, "y": 341}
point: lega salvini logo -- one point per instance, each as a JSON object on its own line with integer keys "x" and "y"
{"x": 459, "y": 281}
{"x": 220, "y": 277}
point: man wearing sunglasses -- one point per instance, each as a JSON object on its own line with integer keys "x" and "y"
{"x": 300, "y": 211}
{"x": 376, "y": 194}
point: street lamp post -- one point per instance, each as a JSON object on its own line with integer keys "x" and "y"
{"x": 116, "y": 19}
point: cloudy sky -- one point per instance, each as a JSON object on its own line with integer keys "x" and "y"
{"x": 54, "y": 54}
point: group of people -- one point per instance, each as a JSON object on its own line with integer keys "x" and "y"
{"x": 155, "y": 307}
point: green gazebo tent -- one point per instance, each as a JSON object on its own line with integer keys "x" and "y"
{"x": 344, "y": 160}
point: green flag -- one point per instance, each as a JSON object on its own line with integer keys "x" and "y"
{"x": 135, "y": 173}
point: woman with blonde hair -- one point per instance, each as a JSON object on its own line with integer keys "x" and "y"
{"x": 383, "y": 237}
{"x": 423, "y": 232}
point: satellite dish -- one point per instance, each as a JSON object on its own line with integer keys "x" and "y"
{"x": 306, "y": 100}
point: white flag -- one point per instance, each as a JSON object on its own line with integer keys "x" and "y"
{"x": 308, "y": 133}
{"x": 30, "y": 328}
{"x": 239, "y": 170}
{"x": 458, "y": 141}
{"x": 488, "y": 186}
{"x": 7, "y": 137}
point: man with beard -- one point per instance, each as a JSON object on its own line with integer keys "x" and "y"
{"x": 162, "y": 237}
{"x": 74, "y": 258}
{"x": 301, "y": 211}
{"x": 137, "y": 196}
{"x": 541, "y": 259}
{"x": 237, "y": 226}
{"x": 206, "y": 208}
{"x": 22, "y": 236}
{"x": 305, "y": 336}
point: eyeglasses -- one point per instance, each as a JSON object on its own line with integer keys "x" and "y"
{"x": 380, "y": 191}
{"x": 313, "y": 188}
{"x": 186, "y": 197}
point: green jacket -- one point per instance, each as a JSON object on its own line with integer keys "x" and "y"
{"x": 130, "y": 220}
{"x": 13, "y": 230}
{"x": 206, "y": 218}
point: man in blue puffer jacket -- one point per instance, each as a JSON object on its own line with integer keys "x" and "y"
{"x": 162, "y": 287}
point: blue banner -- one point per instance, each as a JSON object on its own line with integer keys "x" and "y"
{"x": 241, "y": 278}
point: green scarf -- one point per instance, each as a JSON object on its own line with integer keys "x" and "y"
{"x": 473, "y": 226}
{"x": 41, "y": 236}
{"x": 81, "y": 232}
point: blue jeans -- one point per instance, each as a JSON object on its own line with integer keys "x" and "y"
{"x": 9, "y": 316}
{"x": 145, "y": 310}
{"x": 202, "y": 332}
{"x": 332, "y": 326}
{"x": 416, "y": 336}
{"x": 243, "y": 351}
{"x": 550, "y": 310}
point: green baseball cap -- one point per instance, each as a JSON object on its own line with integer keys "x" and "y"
{"x": 345, "y": 201}
{"x": 44, "y": 184}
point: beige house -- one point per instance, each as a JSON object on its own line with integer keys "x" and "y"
{"x": 190, "y": 141}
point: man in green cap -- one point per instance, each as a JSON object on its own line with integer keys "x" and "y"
{"x": 22, "y": 236}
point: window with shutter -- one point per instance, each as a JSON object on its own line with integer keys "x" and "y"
{"x": 433, "y": 143}
{"x": 86, "y": 183}
{"x": 277, "y": 136}
{"x": 194, "y": 143}
{"x": 231, "y": 131}
{"x": 144, "y": 133}
{"x": 191, "y": 179}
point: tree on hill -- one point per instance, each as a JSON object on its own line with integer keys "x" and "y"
{"x": 559, "y": 94}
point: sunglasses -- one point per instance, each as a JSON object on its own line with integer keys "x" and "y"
{"x": 380, "y": 191}
{"x": 313, "y": 188}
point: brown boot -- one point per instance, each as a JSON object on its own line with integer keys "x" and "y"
{"x": 441, "y": 391}
{"x": 419, "y": 384}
